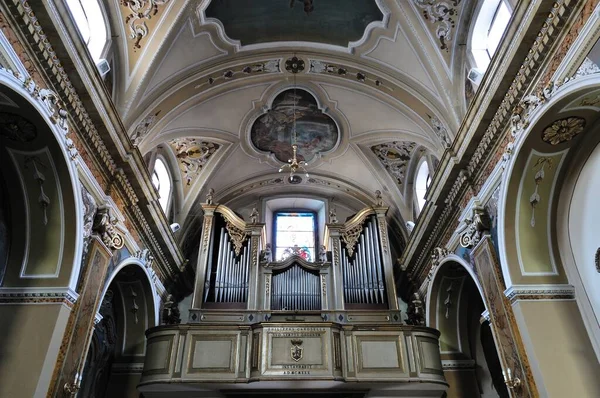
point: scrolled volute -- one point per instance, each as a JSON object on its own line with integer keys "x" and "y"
{"x": 105, "y": 226}
{"x": 475, "y": 226}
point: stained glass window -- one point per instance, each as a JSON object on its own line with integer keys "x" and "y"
{"x": 294, "y": 234}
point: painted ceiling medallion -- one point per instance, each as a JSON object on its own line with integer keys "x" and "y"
{"x": 192, "y": 155}
{"x": 442, "y": 14}
{"x": 316, "y": 132}
{"x": 394, "y": 156}
{"x": 266, "y": 21}
{"x": 563, "y": 130}
{"x": 16, "y": 128}
{"x": 138, "y": 13}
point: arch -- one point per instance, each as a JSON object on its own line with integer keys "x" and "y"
{"x": 577, "y": 98}
{"x": 458, "y": 260}
{"x": 467, "y": 346}
{"x": 55, "y": 154}
{"x": 134, "y": 261}
{"x": 128, "y": 307}
{"x": 561, "y": 104}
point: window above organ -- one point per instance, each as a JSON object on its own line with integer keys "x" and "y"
{"x": 295, "y": 234}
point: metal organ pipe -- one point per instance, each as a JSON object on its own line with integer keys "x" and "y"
{"x": 363, "y": 273}
{"x": 296, "y": 289}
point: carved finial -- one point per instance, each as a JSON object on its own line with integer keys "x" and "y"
{"x": 254, "y": 216}
{"x": 378, "y": 198}
{"x": 209, "y": 196}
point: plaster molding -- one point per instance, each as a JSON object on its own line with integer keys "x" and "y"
{"x": 238, "y": 47}
{"x": 41, "y": 295}
{"x": 539, "y": 292}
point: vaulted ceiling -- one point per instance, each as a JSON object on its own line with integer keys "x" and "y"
{"x": 377, "y": 84}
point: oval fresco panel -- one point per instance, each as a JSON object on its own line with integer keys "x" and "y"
{"x": 315, "y": 131}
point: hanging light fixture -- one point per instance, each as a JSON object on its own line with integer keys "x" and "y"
{"x": 294, "y": 165}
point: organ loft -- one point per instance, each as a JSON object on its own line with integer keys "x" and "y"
{"x": 297, "y": 309}
{"x": 291, "y": 198}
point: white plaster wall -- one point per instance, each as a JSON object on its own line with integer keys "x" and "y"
{"x": 584, "y": 227}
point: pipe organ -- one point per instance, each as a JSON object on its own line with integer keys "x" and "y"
{"x": 234, "y": 276}
{"x": 228, "y": 278}
{"x": 362, "y": 266}
{"x": 257, "y": 320}
{"x": 296, "y": 289}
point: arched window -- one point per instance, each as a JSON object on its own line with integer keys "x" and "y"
{"x": 489, "y": 27}
{"x": 91, "y": 24}
{"x": 162, "y": 181}
{"x": 422, "y": 183}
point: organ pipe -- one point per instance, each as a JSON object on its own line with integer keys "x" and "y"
{"x": 362, "y": 272}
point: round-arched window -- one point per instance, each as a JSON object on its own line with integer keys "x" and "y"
{"x": 490, "y": 25}
{"x": 91, "y": 24}
{"x": 162, "y": 181}
{"x": 422, "y": 183}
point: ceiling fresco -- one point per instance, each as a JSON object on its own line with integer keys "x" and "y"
{"x": 319, "y": 21}
{"x": 316, "y": 132}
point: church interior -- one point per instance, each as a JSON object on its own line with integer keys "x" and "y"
{"x": 290, "y": 198}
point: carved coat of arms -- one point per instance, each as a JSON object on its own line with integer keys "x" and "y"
{"x": 296, "y": 351}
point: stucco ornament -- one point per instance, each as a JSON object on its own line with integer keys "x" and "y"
{"x": 192, "y": 155}
{"x": 475, "y": 226}
{"x": 104, "y": 226}
{"x": 563, "y": 130}
{"x": 443, "y": 15}
{"x": 394, "y": 156}
{"x": 139, "y": 12}
{"x": 437, "y": 255}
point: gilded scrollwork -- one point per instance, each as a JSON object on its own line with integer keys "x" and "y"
{"x": 206, "y": 233}
{"x": 383, "y": 236}
{"x": 238, "y": 237}
{"x": 350, "y": 237}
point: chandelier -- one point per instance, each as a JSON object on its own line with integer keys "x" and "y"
{"x": 294, "y": 165}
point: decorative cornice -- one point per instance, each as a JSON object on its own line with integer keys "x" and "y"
{"x": 539, "y": 292}
{"x": 47, "y": 295}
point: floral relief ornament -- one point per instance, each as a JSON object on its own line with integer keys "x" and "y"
{"x": 563, "y": 130}
{"x": 139, "y": 12}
